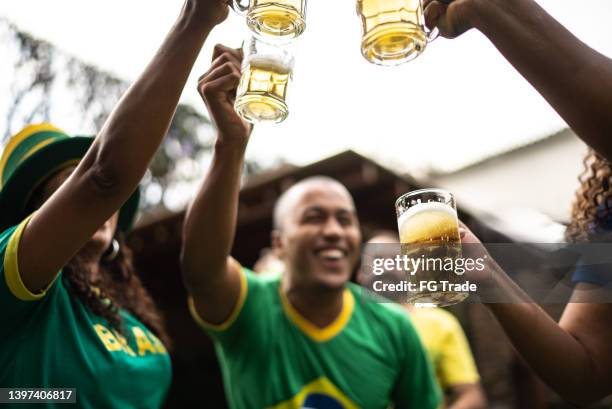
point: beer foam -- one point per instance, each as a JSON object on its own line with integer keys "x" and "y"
{"x": 268, "y": 63}
{"x": 426, "y": 207}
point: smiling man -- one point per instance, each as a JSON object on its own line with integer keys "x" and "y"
{"x": 306, "y": 340}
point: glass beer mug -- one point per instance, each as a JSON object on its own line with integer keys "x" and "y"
{"x": 267, "y": 71}
{"x": 394, "y": 31}
{"x": 276, "y": 20}
{"x": 429, "y": 231}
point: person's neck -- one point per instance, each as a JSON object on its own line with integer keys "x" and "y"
{"x": 319, "y": 306}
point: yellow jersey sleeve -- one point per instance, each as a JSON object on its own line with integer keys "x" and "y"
{"x": 215, "y": 328}
{"x": 250, "y": 318}
{"x": 10, "y": 267}
{"x": 447, "y": 347}
{"x": 16, "y": 301}
{"x": 457, "y": 365}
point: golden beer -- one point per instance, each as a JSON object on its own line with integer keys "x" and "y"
{"x": 393, "y": 30}
{"x": 262, "y": 90}
{"x": 276, "y": 19}
{"x": 429, "y": 231}
{"x": 429, "y": 223}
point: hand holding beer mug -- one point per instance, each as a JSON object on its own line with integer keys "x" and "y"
{"x": 266, "y": 73}
{"x": 274, "y": 19}
{"x": 429, "y": 235}
{"x": 394, "y": 31}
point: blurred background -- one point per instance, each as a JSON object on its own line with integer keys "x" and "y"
{"x": 459, "y": 117}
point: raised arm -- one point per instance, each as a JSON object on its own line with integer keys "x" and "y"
{"x": 575, "y": 79}
{"x": 211, "y": 276}
{"x": 573, "y": 357}
{"x": 470, "y": 396}
{"x": 120, "y": 155}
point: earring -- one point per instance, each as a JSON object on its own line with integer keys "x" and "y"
{"x": 112, "y": 251}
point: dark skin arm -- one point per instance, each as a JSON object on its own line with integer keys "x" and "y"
{"x": 469, "y": 396}
{"x": 211, "y": 276}
{"x": 575, "y": 79}
{"x": 120, "y": 155}
{"x": 574, "y": 357}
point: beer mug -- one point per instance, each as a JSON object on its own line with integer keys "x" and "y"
{"x": 394, "y": 31}
{"x": 280, "y": 20}
{"x": 266, "y": 72}
{"x": 429, "y": 232}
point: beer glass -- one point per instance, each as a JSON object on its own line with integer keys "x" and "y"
{"x": 266, "y": 72}
{"x": 280, "y": 20}
{"x": 429, "y": 231}
{"x": 394, "y": 31}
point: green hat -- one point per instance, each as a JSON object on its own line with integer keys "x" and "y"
{"x": 30, "y": 158}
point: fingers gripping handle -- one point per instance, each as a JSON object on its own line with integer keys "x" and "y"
{"x": 240, "y": 6}
{"x": 432, "y": 34}
{"x": 435, "y": 32}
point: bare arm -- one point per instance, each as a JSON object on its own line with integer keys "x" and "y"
{"x": 468, "y": 396}
{"x": 211, "y": 277}
{"x": 589, "y": 324}
{"x": 574, "y": 357}
{"x": 118, "y": 158}
{"x": 575, "y": 79}
{"x": 562, "y": 355}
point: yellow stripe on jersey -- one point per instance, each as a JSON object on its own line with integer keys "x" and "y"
{"x": 11, "y": 268}
{"x": 230, "y": 320}
{"x": 314, "y": 332}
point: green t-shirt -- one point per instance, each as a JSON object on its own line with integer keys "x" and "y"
{"x": 51, "y": 340}
{"x": 272, "y": 357}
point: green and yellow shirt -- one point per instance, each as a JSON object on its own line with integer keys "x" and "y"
{"x": 52, "y": 340}
{"x": 446, "y": 345}
{"x": 272, "y": 357}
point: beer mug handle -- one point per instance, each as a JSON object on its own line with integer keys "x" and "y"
{"x": 433, "y": 34}
{"x": 238, "y": 6}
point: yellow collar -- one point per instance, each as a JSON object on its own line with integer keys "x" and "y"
{"x": 314, "y": 332}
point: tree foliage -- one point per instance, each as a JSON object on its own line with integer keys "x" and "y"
{"x": 47, "y": 85}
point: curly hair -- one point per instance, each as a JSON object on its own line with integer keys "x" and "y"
{"x": 116, "y": 287}
{"x": 592, "y": 208}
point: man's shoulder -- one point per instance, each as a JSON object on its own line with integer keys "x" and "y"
{"x": 266, "y": 280}
{"x": 382, "y": 311}
{"x": 439, "y": 318}
{"x": 261, "y": 283}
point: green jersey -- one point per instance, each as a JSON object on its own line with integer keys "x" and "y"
{"x": 272, "y": 357}
{"x": 52, "y": 340}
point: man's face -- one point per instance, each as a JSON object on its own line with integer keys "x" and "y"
{"x": 320, "y": 238}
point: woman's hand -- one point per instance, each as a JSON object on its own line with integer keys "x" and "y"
{"x": 218, "y": 90}
{"x": 451, "y": 17}
{"x": 212, "y": 12}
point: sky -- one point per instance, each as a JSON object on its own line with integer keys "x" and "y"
{"x": 457, "y": 103}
